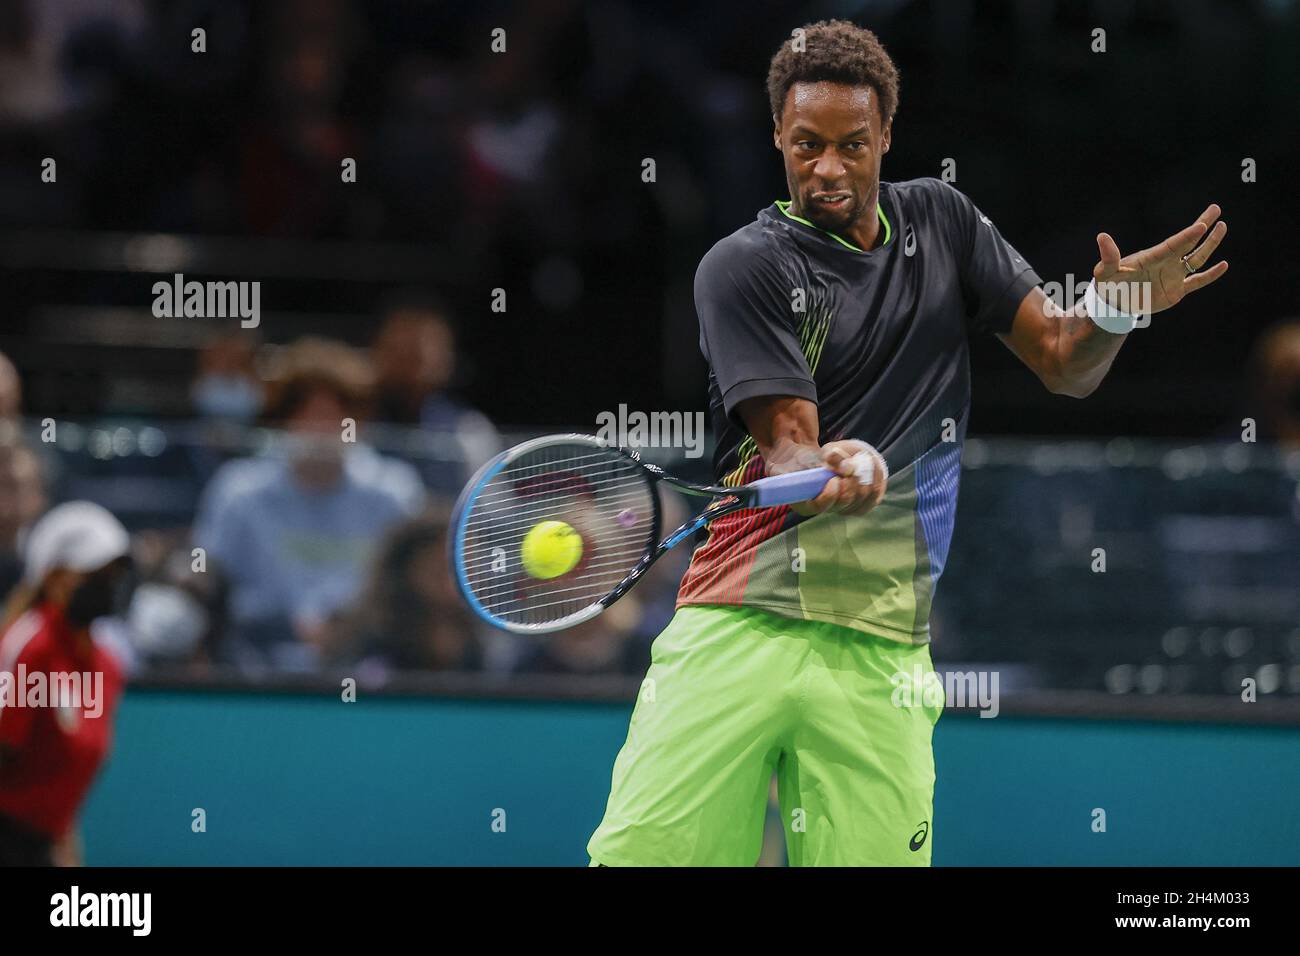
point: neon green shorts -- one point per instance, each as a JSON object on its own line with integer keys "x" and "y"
{"x": 735, "y": 694}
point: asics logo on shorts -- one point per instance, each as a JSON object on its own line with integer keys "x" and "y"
{"x": 918, "y": 838}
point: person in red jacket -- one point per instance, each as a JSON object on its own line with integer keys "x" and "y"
{"x": 58, "y": 689}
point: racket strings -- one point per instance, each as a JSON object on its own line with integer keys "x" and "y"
{"x": 622, "y": 562}
{"x": 578, "y": 585}
{"x": 550, "y": 490}
{"x": 607, "y": 499}
{"x": 620, "y": 557}
{"x": 489, "y": 509}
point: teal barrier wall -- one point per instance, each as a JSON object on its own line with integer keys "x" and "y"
{"x": 289, "y": 779}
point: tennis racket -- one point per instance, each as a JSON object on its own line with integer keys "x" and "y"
{"x": 606, "y": 495}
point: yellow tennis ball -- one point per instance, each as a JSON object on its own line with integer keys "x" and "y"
{"x": 550, "y": 549}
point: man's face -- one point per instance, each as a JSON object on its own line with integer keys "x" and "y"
{"x": 413, "y": 354}
{"x": 831, "y": 137}
{"x": 316, "y": 426}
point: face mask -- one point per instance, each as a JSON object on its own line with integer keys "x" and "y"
{"x": 227, "y": 397}
{"x": 316, "y": 459}
{"x": 104, "y": 593}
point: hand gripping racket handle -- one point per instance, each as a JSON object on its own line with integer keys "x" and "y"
{"x": 799, "y": 486}
{"x": 790, "y": 488}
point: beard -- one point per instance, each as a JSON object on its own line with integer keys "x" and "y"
{"x": 834, "y": 220}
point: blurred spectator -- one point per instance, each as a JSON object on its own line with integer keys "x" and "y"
{"x": 415, "y": 360}
{"x": 410, "y": 616}
{"x": 290, "y": 155}
{"x": 421, "y": 141}
{"x": 13, "y": 512}
{"x": 227, "y": 396}
{"x": 227, "y": 387}
{"x": 11, "y": 391}
{"x": 171, "y": 611}
{"x": 292, "y": 531}
{"x": 77, "y": 562}
{"x": 22, "y": 500}
{"x": 1274, "y": 383}
{"x": 40, "y": 45}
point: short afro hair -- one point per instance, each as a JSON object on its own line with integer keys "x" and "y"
{"x": 834, "y": 51}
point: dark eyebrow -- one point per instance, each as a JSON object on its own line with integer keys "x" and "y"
{"x": 804, "y": 129}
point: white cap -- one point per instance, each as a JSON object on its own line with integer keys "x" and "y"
{"x": 79, "y": 536}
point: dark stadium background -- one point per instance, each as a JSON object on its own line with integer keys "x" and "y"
{"x": 1054, "y": 142}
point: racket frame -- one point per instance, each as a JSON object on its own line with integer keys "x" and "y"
{"x": 727, "y": 501}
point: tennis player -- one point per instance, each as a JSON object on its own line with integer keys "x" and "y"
{"x": 838, "y": 322}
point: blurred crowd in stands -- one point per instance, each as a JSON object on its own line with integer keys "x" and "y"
{"x": 321, "y": 550}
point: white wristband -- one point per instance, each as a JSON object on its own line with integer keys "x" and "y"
{"x": 1106, "y": 316}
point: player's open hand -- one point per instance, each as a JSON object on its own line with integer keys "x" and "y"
{"x": 862, "y": 478}
{"x": 1169, "y": 270}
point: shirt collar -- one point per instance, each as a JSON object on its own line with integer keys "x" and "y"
{"x": 784, "y": 206}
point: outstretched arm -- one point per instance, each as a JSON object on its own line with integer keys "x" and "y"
{"x": 1069, "y": 352}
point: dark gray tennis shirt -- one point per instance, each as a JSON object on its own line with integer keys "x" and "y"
{"x": 879, "y": 340}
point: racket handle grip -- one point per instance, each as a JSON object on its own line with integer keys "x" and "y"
{"x": 790, "y": 488}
